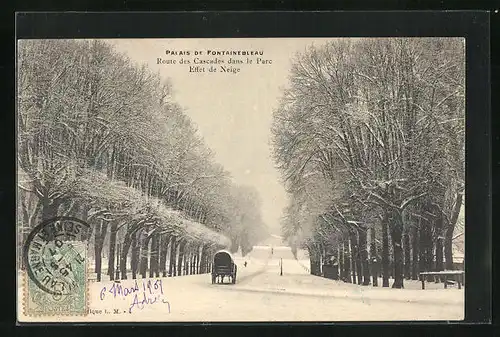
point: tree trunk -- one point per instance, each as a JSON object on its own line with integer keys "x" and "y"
{"x": 197, "y": 266}
{"x": 439, "y": 241}
{"x": 347, "y": 262}
{"x": 385, "y": 253}
{"x": 159, "y": 248}
{"x": 190, "y": 263}
{"x": 98, "y": 260}
{"x": 187, "y": 259}
{"x": 314, "y": 261}
{"x": 407, "y": 258}
{"x": 153, "y": 262}
{"x": 172, "y": 271}
{"x": 134, "y": 259}
{"x": 415, "y": 254}
{"x": 50, "y": 208}
{"x": 196, "y": 256}
{"x": 208, "y": 259}
{"x": 396, "y": 225}
{"x": 341, "y": 261}
{"x": 112, "y": 250}
{"x": 193, "y": 261}
{"x": 319, "y": 259}
{"x": 448, "y": 251}
{"x": 203, "y": 262}
{"x": 359, "y": 269}
{"x": 450, "y": 228}
{"x": 180, "y": 258}
{"x": 99, "y": 236}
{"x": 145, "y": 255}
{"x": 363, "y": 238}
{"x": 426, "y": 242}
{"x": 84, "y": 218}
{"x": 354, "y": 255}
{"x": 127, "y": 241}
{"x": 117, "y": 269}
{"x": 309, "y": 253}
{"x": 163, "y": 255}
{"x": 422, "y": 237}
{"x": 49, "y": 211}
{"x": 374, "y": 258}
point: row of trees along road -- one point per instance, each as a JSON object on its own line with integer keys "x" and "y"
{"x": 369, "y": 137}
{"x": 101, "y": 138}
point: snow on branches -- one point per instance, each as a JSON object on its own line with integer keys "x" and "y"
{"x": 381, "y": 122}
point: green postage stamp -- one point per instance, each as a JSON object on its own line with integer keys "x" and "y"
{"x": 55, "y": 259}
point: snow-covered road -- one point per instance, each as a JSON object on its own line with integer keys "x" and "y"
{"x": 262, "y": 294}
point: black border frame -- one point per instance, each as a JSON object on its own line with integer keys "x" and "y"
{"x": 473, "y": 25}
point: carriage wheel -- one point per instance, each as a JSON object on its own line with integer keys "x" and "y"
{"x": 233, "y": 278}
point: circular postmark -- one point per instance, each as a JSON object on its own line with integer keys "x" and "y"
{"x": 54, "y": 254}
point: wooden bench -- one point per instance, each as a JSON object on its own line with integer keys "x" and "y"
{"x": 458, "y": 275}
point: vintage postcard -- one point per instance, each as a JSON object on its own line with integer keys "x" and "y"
{"x": 240, "y": 179}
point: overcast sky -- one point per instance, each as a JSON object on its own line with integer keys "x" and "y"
{"x": 233, "y": 112}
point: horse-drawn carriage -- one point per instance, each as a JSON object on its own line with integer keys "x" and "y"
{"x": 223, "y": 266}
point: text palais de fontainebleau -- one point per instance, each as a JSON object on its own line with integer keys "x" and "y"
{"x": 214, "y": 61}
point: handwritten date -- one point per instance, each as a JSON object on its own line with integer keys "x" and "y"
{"x": 143, "y": 293}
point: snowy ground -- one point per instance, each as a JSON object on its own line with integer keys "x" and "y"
{"x": 261, "y": 294}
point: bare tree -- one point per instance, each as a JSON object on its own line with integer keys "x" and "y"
{"x": 374, "y": 117}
